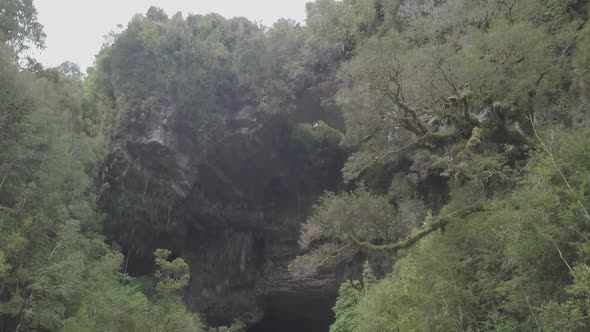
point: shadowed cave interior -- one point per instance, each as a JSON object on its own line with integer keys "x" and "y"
{"x": 287, "y": 313}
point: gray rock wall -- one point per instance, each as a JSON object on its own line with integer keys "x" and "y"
{"x": 231, "y": 209}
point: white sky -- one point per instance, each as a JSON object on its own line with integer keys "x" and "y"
{"x": 75, "y": 28}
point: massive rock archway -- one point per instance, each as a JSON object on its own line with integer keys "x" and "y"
{"x": 231, "y": 209}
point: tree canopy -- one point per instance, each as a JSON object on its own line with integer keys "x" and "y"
{"x": 464, "y": 117}
{"x": 465, "y": 186}
{"x": 19, "y": 26}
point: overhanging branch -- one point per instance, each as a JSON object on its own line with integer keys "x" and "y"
{"x": 438, "y": 223}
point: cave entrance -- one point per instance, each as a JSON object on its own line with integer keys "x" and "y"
{"x": 295, "y": 313}
{"x": 278, "y": 324}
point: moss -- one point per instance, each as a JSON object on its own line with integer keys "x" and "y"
{"x": 475, "y": 139}
{"x": 310, "y": 134}
{"x": 316, "y": 143}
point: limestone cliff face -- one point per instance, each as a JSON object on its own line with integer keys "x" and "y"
{"x": 232, "y": 209}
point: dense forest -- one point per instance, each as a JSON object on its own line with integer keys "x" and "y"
{"x": 450, "y": 174}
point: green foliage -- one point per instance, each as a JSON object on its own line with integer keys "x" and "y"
{"x": 349, "y": 295}
{"x": 423, "y": 89}
{"x": 204, "y": 66}
{"x": 461, "y": 92}
{"x": 570, "y": 314}
{"x": 337, "y": 27}
{"x": 560, "y": 13}
{"x": 108, "y": 304}
{"x": 309, "y": 134}
{"x": 474, "y": 101}
{"x": 112, "y": 305}
{"x": 581, "y": 61}
{"x": 4, "y": 267}
{"x": 47, "y": 198}
{"x": 56, "y": 272}
{"x": 317, "y": 147}
{"x": 19, "y": 27}
{"x": 171, "y": 277}
{"x": 235, "y": 327}
{"x": 157, "y": 62}
{"x": 340, "y": 222}
{"x": 506, "y": 267}
{"x": 172, "y": 315}
{"x": 359, "y": 213}
{"x": 269, "y": 66}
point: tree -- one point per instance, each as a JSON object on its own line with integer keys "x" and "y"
{"x": 56, "y": 272}
{"x": 419, "y": 93}
{"x": 344, "y": 223}
{"x": 502, "y": 267}
{"x": 171, "y": 277}
{"x": 71, "y": 70}
{"x": 349, "y": 295}
{"x": 19, "y": 27}
{"x": 458, "y": 93}
{"x": 4, "y": 267}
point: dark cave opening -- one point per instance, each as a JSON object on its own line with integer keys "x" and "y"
{"x": 295, "y": 313}
{"x": 279, "y": 324}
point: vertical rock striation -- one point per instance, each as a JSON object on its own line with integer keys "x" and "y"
{"x": 231, "y": 209}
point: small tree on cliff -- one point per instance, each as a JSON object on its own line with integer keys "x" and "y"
{"x": 171, "y": 276}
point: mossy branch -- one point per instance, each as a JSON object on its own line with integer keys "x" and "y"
{"x": 433, "y": 225}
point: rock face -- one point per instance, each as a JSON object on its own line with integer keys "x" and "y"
{"x": 231, "y": 209}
